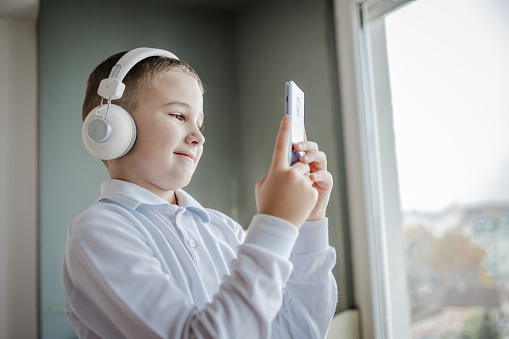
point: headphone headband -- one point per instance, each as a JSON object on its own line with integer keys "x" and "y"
{"x": 131, "y": 58}
{"x": 112, "y": 87}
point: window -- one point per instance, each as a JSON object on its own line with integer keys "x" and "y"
{"x": 427, "y": 162}
{"x": 448, "y": 75}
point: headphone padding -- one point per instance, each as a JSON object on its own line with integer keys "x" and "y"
{"x": 122, "y": 137}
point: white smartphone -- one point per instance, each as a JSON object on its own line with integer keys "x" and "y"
{"x": 294, "y": 106}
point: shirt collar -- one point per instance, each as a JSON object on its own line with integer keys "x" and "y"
{"x": 133, "y": 196}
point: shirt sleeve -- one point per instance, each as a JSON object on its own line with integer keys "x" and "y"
{"x": 115, "y": 287}
{"x": 310, "y": 296}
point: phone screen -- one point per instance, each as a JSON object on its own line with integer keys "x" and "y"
{"x": 294, "y": 106}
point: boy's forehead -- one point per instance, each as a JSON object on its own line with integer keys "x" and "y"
{"x": 177, "y": 87}
{"x": 176, "y": 73}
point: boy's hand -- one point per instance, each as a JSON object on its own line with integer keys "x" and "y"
{"x": 323, "y": 181}
{"x": 288, "y": 192}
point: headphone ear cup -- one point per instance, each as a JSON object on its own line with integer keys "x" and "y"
{"x": 121, "y": 138}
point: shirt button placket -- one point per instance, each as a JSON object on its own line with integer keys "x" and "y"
{"x": 191, "y": 243}
{"x": 178, "y": 220}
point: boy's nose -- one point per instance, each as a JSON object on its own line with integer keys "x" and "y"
{"x": 195, "y": 138}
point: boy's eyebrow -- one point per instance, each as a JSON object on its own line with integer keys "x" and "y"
{"x": 180, "y": 103}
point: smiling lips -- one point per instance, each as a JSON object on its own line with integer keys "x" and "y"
{"x": 189, "y": 155}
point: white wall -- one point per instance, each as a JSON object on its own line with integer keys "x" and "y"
{"x": 18, "y": 179}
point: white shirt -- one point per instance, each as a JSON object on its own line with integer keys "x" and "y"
{"x": 136, "y": 266}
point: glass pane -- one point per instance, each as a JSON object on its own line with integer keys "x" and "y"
{"x": 449, "y": 69}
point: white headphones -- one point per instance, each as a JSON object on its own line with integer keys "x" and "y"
{"x": 109, "y": 130}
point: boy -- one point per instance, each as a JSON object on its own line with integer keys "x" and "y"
{"x": 148, "y": 261}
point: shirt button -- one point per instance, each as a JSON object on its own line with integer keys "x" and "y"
{"x": 191, "y": 243}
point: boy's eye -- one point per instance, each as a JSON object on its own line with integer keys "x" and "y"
{"x": 201, "y": 128}
{"x": 177, "y": 116}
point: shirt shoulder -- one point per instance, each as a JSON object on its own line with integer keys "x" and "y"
{"x": 221, "y": 220}
{"x": 102, "y": 215}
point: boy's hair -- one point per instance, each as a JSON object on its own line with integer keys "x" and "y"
{"x": 138, "y": 77}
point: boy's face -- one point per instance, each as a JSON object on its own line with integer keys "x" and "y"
{"x": 169, "y": 143}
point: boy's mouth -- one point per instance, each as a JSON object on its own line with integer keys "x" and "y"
{"x": 189, "y": 155}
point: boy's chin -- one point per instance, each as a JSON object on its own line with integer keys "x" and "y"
{"x": 179, "y": 184}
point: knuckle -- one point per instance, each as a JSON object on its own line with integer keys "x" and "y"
{"x": 293, "y": 175}
{"x": 324, "y": 158}
{"x": 313, "y": 145}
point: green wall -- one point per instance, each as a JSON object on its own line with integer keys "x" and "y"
{"x": 74, "y": 36}
{"x": 243, "y": 57}
{"x": 292, "y": 40}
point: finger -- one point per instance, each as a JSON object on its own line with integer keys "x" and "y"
{"x": 280, "y": 157}
{"x": 322, "y": 179}
{"x": 301, "y": 168}
{"x": 306, "y": 146}
{"x": 317, "y": 158}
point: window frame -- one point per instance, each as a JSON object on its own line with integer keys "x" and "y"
{"x": 378, "y": 255}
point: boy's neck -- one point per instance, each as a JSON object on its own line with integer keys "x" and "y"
{"x": 170, "y": 196}
{"x": 115, "y": 173}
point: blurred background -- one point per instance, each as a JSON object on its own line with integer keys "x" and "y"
{"x": 407, "y": 98}
{"x": 243, "y": 50}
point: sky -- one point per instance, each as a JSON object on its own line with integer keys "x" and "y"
{"x": 449, "y": 69}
